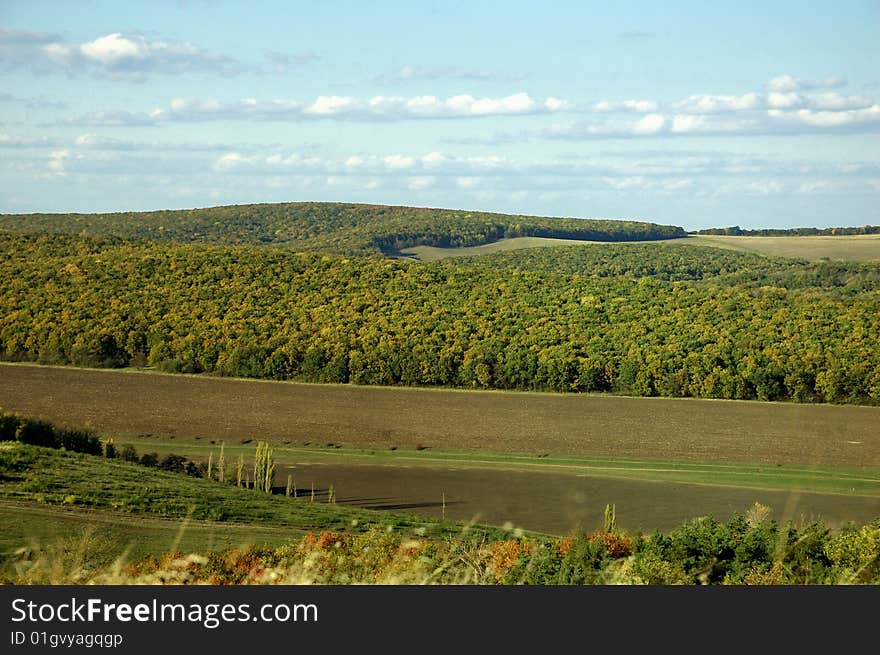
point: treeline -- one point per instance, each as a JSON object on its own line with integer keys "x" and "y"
{"x": 272, "y": 313}
{"x": 333, "y": 227}
{"x": 38, "y": 432}
{"x": 737, "y": 231}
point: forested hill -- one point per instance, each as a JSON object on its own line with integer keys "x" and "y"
{"x": 334, "y": 227}
{"x": 673, "y": 321}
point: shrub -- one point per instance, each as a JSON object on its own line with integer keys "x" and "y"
{"x": 150, "y": 459}
{"x": 583, "y": 558}
{"x": 858, "y": 551}
{"x": 129, "y": 453}
{"x": 8, "y": 426}
{"x": 81, "y": 441}
{"x": 173, "y": 463}
{"x": 37, "y": 433}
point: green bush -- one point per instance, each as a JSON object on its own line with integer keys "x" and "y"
{"x": 37, "y": 433}
{"x": 857, "y": 550}
{"x": 150, "y": 459}
{"x": 173, "y": 463}
{"x": 8, "y": 426}
{"x": 129, "y": 454}
{"x": 81, "y": 441}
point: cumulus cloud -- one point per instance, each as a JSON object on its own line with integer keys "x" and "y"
{"x": 650, "y": 124}
{"x": 790, "y": 108}
{"x": 711, "y": 104}
{"x": 115, "y": 55}
{"x": 787, "y": 83}
{"x": 377, "y": 108}
{"x": 867, "y": 117}
{"x": 639, "y": 106}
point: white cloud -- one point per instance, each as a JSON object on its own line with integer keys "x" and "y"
{"x": 713, "y": 103}
{"x": 377, "y": 108}
{"x": 56, "y": 161}
{"x": 115, "y": 55}
{"x": 836, "y": 101}
{"x": 650, "y": 124}
{"x": 869, "y": 116}
{"x": 325, "y": 105}
{"x": 639, "y": 106}
{"x": 786, "y": 83}
{"x": 113, "y": 48}
{"x": 398, "y": 161}
{"x": 433, "y": 159}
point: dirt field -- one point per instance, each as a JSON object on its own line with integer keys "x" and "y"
{"x": 556, "y": 503}
{"x": 672, "y": 429}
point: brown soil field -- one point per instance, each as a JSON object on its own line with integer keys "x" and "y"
{"x": 556, "y": 503}
{"x": 128, "y": 402}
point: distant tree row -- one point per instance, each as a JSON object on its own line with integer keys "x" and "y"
{"x": 272, "y": 313}
{"x": 334, "y": 227}
{"x": 736, "y": 230}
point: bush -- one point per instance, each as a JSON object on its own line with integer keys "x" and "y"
{"x": 150, "y": 459}
{"x": 173, "y": 463}
{"x": 8, "y": 426}
{"x": 37, "y": 433}
{"x": 129, "y": 454}
{"x": 81, "y": 441}
{"x": 857, "y": 551}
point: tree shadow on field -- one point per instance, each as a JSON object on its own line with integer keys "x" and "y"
{"x": 404, "y": 506}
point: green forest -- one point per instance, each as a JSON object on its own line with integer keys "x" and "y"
{"x": 629, "y": 318}
{"x": 335, "y": 227}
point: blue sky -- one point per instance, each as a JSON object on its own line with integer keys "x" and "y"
{"x": 699, "y": 114}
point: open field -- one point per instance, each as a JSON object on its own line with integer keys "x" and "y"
{"x": 432, "y": 253}
{"x": 134, "y": 403}
{"x": 556, "y": 494}
{"x": 860, "y": 247}
{"x": 857, "y": 247}
{"x": 543, "y": 462}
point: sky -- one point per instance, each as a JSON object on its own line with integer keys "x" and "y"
{"x": 697, "y": 114}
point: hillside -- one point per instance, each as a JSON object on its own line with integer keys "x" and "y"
{"x": 681, "y": 322}
{"x": 334, "y": 227}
